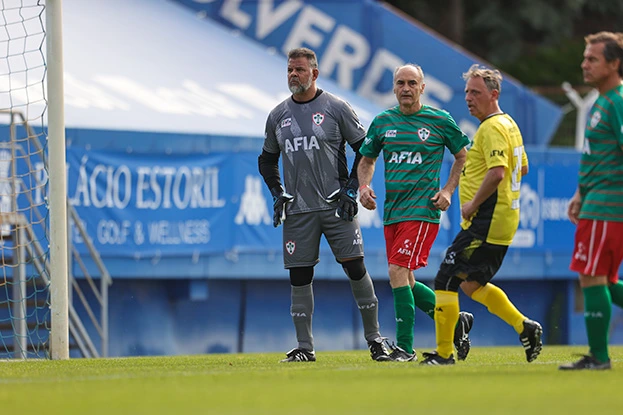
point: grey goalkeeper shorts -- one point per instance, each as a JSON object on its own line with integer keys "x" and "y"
{"x": 302, "y": 232}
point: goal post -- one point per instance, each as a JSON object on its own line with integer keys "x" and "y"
{"x": 59, "y": 332}
{"x": 34, "y": 317}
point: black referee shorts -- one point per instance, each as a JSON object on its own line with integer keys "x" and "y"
{"x": 470, "y": 258}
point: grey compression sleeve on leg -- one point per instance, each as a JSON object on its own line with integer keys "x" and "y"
{"x": 302, "y": 310}
{"x": 368, "y": 304}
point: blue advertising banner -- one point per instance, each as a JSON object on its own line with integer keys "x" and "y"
{"x": 147, "y": 204}
{"x": 545, "y": 194}
{"x": 141, "y": 205}
{"x": 360, "y": 42}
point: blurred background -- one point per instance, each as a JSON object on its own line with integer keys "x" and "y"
{"x": 535, "y": 41}
{"x": 166, "y": 102}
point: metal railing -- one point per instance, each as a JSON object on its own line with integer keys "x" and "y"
{"x": 28, "y": 249}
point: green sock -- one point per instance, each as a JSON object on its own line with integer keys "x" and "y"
{"x": 616, "y": 293}
{"x": 597, "y": 312}
{"x": 424, "y": 298}
{"x": 404, "y": 307}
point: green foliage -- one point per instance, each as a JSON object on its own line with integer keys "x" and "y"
{"x": 539, "y": 42}
{"x": 605, "y": 7}
{"x": 549, "y": 66}
{"x": 491, "y": 381}
{"x": 503, "y": 31}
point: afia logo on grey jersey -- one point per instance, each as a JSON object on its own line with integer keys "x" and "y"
{"x": 301, "y": 143}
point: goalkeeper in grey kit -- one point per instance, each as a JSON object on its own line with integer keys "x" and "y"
{"x": 310, "y": 129}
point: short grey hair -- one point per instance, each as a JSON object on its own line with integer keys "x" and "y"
{"x": 492, "y": 77}
{"x": 304, "y": 53}
{"x": 417, "y": 68}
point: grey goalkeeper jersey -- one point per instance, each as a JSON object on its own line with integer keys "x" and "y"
{"x": 311, "y": 138}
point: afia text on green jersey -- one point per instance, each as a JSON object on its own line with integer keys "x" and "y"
{"x": 413, "y": 149}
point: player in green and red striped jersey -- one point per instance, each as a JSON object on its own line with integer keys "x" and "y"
{"x": 597, "y": 205}
{"x": 412, "y": 138}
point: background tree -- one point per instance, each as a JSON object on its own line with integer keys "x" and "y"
{"x": 538, "y": 42}
{"x": 521, "y": 36}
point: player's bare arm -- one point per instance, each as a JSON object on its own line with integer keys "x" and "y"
{"x": 365, "y": 171}
{"x": 573, "y": 211}
{"x": 524, "y": 170}
{"x": 492, "y": 179}
{"x": 443, "y": 198}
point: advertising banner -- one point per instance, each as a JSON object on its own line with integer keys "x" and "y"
{"x": 137, "y": 205}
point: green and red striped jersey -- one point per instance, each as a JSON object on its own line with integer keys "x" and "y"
{"x": 413, "y": 147}
{"x": 601, "y": 166}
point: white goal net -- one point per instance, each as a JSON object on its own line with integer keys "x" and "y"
{"x": 24, "y": 246}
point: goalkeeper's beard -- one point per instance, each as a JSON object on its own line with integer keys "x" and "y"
{"x": 299, "y": 88}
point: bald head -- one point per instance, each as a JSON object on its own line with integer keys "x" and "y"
{"x": 408, "y": 87}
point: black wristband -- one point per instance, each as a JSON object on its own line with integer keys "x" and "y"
{"x": 276, "y": 192}
{"x": 353, "y": 183}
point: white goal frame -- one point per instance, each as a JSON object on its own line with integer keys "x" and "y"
{"x": 59, "y": 306}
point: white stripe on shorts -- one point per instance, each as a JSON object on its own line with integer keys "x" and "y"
{"x": 591, "y": 263}
{"x": 601, "y": 246}
{"x": 421, "y": 244}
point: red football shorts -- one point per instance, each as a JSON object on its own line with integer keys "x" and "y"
{"x": 408, "y": 243}
{"x": 598, "y": 248}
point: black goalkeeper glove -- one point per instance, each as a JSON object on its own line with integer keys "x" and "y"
{"x": 280, "y": 199}
{"x": 346, "y": 198}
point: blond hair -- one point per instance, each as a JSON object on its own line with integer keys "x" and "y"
{"x": 492, "y": 77}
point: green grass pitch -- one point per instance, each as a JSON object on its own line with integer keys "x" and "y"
{"x": 491, "y": 381}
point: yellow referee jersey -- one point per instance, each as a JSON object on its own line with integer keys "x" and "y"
{"x": 497, "y": 142}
